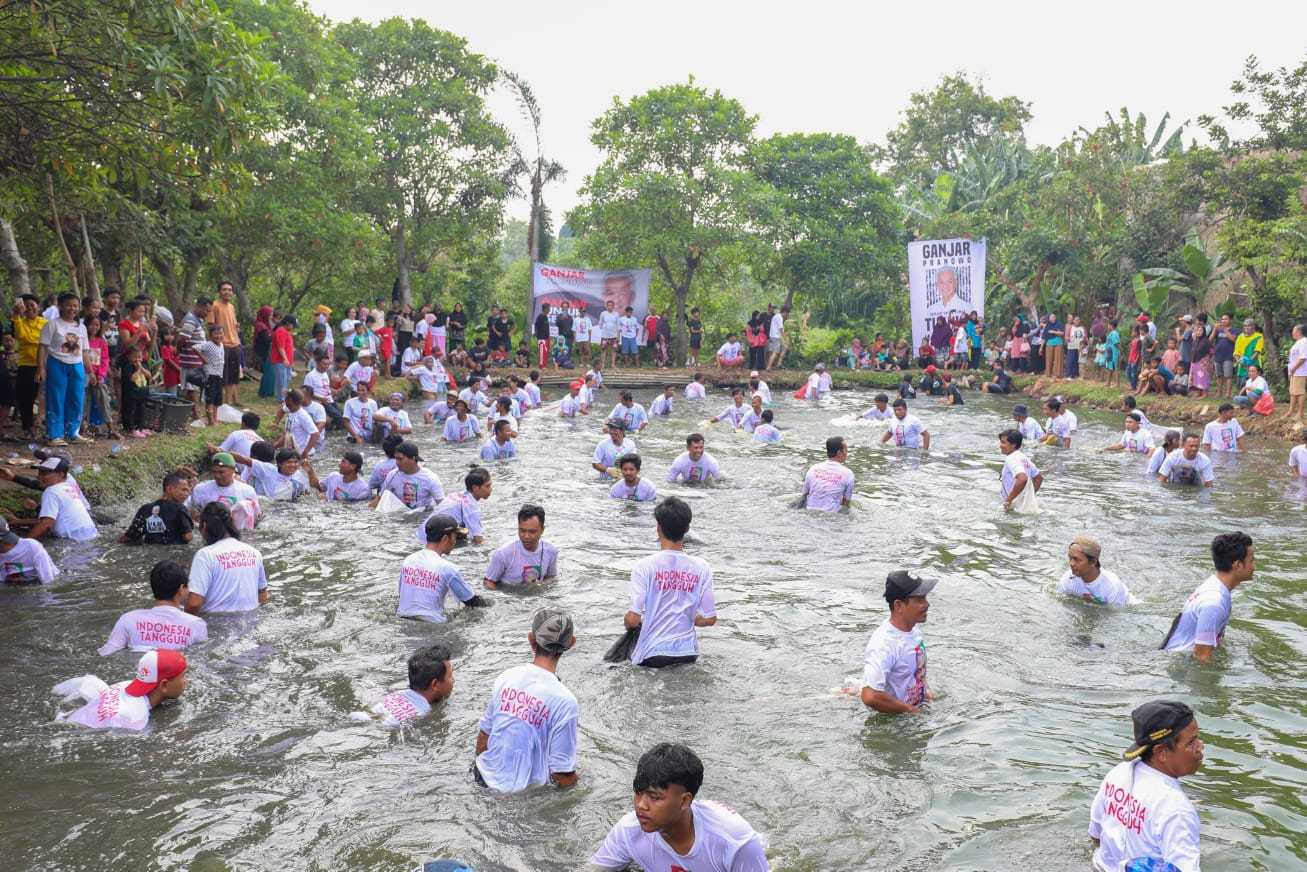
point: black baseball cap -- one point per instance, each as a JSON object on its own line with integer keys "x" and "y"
{"x": 1020, "y": 409}
{"x": 408, "y": 449}
{"x": 1156, "y": 721}
{"x": 900, "y": 584}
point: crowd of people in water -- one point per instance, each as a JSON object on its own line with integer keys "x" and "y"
{"x": 528, "y": 733}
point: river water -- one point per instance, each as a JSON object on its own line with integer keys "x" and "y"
{"x": 259, "y": 765}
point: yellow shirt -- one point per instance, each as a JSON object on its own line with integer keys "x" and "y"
{"x": 1243, "y": 340}
{"x": 225, "y": 314}
{"x": 28, "y": 333}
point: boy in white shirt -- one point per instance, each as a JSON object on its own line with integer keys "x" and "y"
{"x": 360, "y": 417}
{"x": 828, "y": 486}
{"x": 570, "y": 405}
{"x": 881, "y": 411}
{"x": 628, "y": 328}
{"x": 241, "y": 440}
{"x": 906, "y": 430}
{"x": 164, "y": 625}
{"x": 1140, "y": 811}
{"x": 527, "y": 735}
{"x": 695, "y": 389}
{"x": 227, "y": 575}
{"x": 441, "y": 411}
{"x": 1018, "y": 471}
{"x": 671, "y": 594}
{"x": 1059, "y": 424}
{"x": 1086, "y": 577}
{"x": 1134, "y": 439}
{"x": 671, "y": 828}
{"x": 608, "y": 450}
{"x": 662, "y": 406}
{"x": 632, "y": 486}
{"x": 1298, "y": 457}
{"x": 630, "y": 413}
{"x": 1187, "y": 465}
{"x": 1225, "y": 434}
{"x": 393, "y": 418}
{"x": 430, "y": 376}
{"x": 430, "y": 680}
{"x": 1030, "y": 430}
{"x": 1201, "y": 624}
{"x": 526, "y": 559}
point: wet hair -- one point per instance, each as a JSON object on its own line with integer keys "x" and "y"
{"x": 1053, "y": 403}
{"x": 354, "y": 459}
{"x": 834, "y": 445}
{"x": 531, "y": 510}
{"x": 1229, "y": 548}
{"x": 264, "y": 451}
{"x": 900, "y": 402}
{"x": 477, "y": 476}
{"x": 629, "y": 458}
{"x": 882, "y": 398}
{"x": 390, "y": 443}
{"x": 534, "y": 374}
{"x": 665, "y": 764}
{"x": 216, "y": 523}
{"x": 1129, "y": 401}
{"x": 427, "y": 665}
{"x": 504, "y": 403}
{"x": 174, "y": 478}
{"x": 1012, "y": 436}
{"x": 767, "y": 416}
{"x": 1136, "y": 417}
{"x": 1187, "y": 436}
{"x": 250, "y": 421}
{"x": 293, "y": 400}
{"x": 626, "y": 395}
{"x": 698, "y": 376}
{"x": 693, "y": 438}
{"x": 1225, "y": 407}
{"x": 673, "y": 516}
{"x": 1172, "y": 438}
{"x": 287, "y": 454}
{"x": 166, "y": 578}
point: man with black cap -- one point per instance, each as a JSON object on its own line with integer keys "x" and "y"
{"x": 1030, "y": 430}
{"x": 1140, "y": 812}
{"x": 426, "y": 576}
{"x": 608, "y": 450}
{"x": 528, "y": 732}
{"x": 1201, "y": 624}
{"x": 416, "y": 488}
{"x": 894, "y": 661}
{"x": 64, "y": 510}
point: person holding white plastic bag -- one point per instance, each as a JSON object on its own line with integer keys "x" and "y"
{"x": 1020, "y": 480}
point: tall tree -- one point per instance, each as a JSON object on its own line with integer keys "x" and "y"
{"x": 536, "y": 168}
{"x": 673, "y": 188}
{"x": 443, "y": 164}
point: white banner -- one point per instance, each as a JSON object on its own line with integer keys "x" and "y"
{"x": 947, "y": 281}
{"x": 588, "y": 290}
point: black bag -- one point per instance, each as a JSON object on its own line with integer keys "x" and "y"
{"x": 622, "y": 648}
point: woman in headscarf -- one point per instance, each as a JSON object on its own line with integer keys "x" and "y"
{"x": 263, "y": 328}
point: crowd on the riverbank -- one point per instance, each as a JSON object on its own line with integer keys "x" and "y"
{"x": 528, "y": 734}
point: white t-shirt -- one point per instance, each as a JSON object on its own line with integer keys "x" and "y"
{"x": 72, "y": 518}
{"x": 1297, "y": 352}
{"x": 319, "y": 415}
{"x": 1139, "y": 812}
{"x": 668, "y": 590}
{"x": 1060, "y": 426}
{"x": 361, "y": 414}
{"x": 432, "y": 380}
{"x": 159, "y": 627}
{"x": 609, "y": 324}
{"x": 531, "y": 720}
{"x": 906, "y": 432}
{"x": 239, "y": 442}
{"x": 729, "y": 351}
{"x": 402, "y": 706}
{"x": 207, "y": 491}
{"x": 340, "y": 491}
{"x": 440, "y": 411}
{"x": 695, "y": 391}
{"x": 765, "y": 391}
{"x": 319, "y": 383}
{"x": 894, "y": 662}
{"x": 475, "y": 400}
{"x": 1030, "y": 431}
{"x": 357, "y": 372}
{"x": 301, "y": 427}
{"x": 777, "y": 327}
{"x": 569, "y": 406}
{"x": 29, "y": 561}
{"x": 581, "y": 328}
{"x": 750, "y": 421}
{"x": 416, "y": 490}
{"x": 511, "y": 563}
{"x": 1204, "y": 617}
{"x": 1179, "y": 469}
{"x": 766, "y": 433}
{"x": 1256, "y": 385}
{"x": 229, "y": 575}
{"x": 587, "y": 396}
{"x": 463, "y": 508}
{"x": 661, "y": 406}
{"x": 64, "y": 340}
{"x": 606, "y": 452}
{"x": 694, "y": 471}
{"x": 424, "y": 580}
{"x": 1298, "y": 459}
{"x": 411, "y": 358}
{"x": 1106, "y": 590}
{"x": 643, "y": 491}
{"x": 533, "y": 392}
{"x": 1155, "y": 461}
{"x": 1071, "y": 417}
{"x": 733, "y": 414}
{"x": 460, "y": 431}
{"x": 1223, "y": 436}
{"x": 107, "y": 706}
{"x": 269, "y": 481}
{"x": 1015, "y": 464}
{"x": 628, "y": 327}
{"x": 633, "y": 417}
{"x": 723, "y": 842}
{"x": 493, "y": 449}
{"x": 875, "y": 414}
{"x": 1138, "y": 442}
{"x": 397, "y": 419}
{"x": 827, "y": 485}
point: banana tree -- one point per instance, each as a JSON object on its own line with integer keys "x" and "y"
{"x": 1204, "y": 269}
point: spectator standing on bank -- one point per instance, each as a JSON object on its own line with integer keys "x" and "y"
{"x": 224, "y": 313}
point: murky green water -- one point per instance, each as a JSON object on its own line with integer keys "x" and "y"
{"x": 259, "y": 766}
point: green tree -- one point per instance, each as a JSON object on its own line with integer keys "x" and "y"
{"x": 835, "y": 230}
{"x": 537, "y": 169}
{"x": 673, "y": 188}
{"x": 443, "y": 165}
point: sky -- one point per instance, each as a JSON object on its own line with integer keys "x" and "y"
{"x": 847, "y": 67}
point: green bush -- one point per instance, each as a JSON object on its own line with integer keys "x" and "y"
{"x": 820, "y": 344}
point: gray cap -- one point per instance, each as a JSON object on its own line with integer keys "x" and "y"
{"x": 7, "y": 536}
{"x": 552, "y": 629}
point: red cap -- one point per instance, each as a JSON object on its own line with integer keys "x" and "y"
{"x": 578, "y": 384}
{"x": 154, "y": 667}
{"x": 1142, "y": 319}
{"x": 930, "y": 368}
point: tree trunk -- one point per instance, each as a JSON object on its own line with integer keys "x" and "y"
{"x": 1271, "y": 351}
{"x": 19, "y": 281}
{"x": 401, "y": 265}
{"x": 190, "y": 278}
{"x": 172, "y": 291}
{"x": 59, "y": 234}
{"x": 533, "y": 241}
{"x": 113, "y": 272}
{"x": 91, "y": 283}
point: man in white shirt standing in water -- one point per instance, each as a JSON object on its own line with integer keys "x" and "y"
{"x": 894, "y": 661}
{"x": 1018, "y": 471}
{"x": 906, "y": 430}
{"x": 527, "y": 735}
{"x": 608, "y": 450}
{"x": 695, "y": 465}
{"x": 1140, "y": 812}
{"x": 163, "y": 626}
{"x": 1201, "y": 624}
{"x": 671, "y": 594}
{"x": 828, "y": 486}
{"x": 671, "y": 828}
{"x": 1086, "y": 577}
{"x": 526, "y": 559}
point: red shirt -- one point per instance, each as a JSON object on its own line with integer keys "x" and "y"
{"x": 386, "y": 340}
{"x": 283, "y": 347}
{"x": 172, "y": 371}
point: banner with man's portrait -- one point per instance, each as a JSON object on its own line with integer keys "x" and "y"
{"x": 588, "y": 290}
{"x": 946, "y": 278}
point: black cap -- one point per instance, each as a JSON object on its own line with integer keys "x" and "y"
{"x": 1157, "y": 721}
{"x": 1020, "y": 409}
{"x": 901, "y": 585}
{"x": 438, "y": 527}
{"x": 408, "y": 449}
{"x": 616, "y": 423}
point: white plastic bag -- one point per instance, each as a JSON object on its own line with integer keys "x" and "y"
{"x": 1026, "y": 502}
{"x": 229, "y": 414}
{"x": 390, "y": 503}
